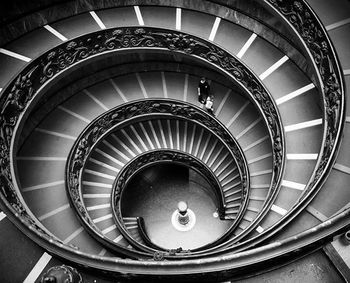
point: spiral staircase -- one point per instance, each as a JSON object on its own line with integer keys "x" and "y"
{"x": 102, "y": 135}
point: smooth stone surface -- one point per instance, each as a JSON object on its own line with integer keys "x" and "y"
{"x": 154, "y": 194}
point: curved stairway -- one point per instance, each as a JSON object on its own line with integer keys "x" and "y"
{"x": 42, "y": 157}
{"x": 118, "y": 149}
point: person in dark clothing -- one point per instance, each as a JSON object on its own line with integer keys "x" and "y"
{"x": 203, "y": 90}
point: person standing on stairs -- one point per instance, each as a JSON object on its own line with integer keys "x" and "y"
{"x": 209, "y": 104}
{"x": 204, "y": 95}
{"x": 203, "y": 90}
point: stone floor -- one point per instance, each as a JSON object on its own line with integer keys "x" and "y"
{"x": 155, "y": 196}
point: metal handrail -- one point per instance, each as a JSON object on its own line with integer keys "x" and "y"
{"x": 138, "y": 110}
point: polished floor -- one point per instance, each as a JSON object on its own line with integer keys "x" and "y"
{"x": 154, "y": 194}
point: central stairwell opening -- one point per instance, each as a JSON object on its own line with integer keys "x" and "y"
{"x": 154, "y": 194}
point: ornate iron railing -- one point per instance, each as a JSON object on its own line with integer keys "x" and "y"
{"x": 313, "y": 35}
{"x": 334, "y": 101}
{"x": 19, "y": 93}
{"x": 128, "y": 113}
{"x": 306, "y": 24}
{"x": 18, "y": 96}
{"x": 163, "y": 156}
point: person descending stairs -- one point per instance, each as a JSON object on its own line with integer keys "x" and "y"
{"x": 204, "y": 95}
{"x": 203, "y": 90}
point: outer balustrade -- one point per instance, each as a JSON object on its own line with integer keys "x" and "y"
{"x": 20, "y": 93}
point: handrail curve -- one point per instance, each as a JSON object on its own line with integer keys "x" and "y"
{"x": 138, "y": 110}
{"x": 17, "y": 96}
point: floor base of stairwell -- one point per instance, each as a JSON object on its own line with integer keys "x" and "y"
{"x": 154, "y": 194}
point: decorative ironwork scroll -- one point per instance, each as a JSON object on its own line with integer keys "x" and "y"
{"x": 160, "y": 156}
{"x": 20, "y": 92}
{"x": 164, "y": 155}
{"x": 16, "y": 97}
{"x": 299, "y": 15}
{"x": 305, "y": 22}
{"x": 118, "y": 117}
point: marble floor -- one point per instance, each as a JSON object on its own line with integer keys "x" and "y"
{"x": 154, "y": 194}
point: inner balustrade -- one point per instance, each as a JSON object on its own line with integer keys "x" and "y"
{"x": 102, "y": 105}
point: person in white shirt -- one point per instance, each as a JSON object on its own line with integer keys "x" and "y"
{"x": 209, "y": 104}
